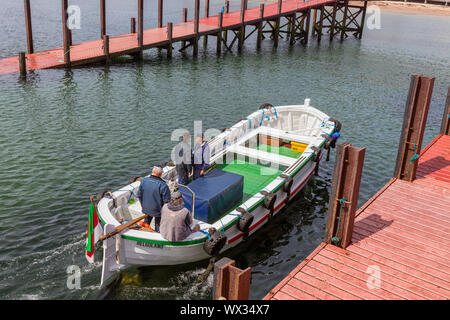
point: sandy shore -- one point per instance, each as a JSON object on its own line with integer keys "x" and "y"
{"x": 409, "y": 7}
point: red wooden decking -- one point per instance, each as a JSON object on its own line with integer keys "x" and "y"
{"x": 402, "y": 231}
{"x": 92, "y": 51}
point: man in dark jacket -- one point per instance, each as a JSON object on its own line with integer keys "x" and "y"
{"x": 182, "y": 158}
{"x": 153, "y": 194}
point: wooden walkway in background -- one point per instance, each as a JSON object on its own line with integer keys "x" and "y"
{"x": 402, "y": 231}
{"x": 92, "y": 51}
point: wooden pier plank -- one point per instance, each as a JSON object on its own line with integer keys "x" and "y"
{"x": 403, "y": 230}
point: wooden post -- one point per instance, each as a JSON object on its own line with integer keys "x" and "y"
{"x": 445, "y": 127}
{"x": 106, "y": 48}
{"x": 205, "y": 37}
{"x": 291, "y": 29}
{"x": 242, "y": 28}
{"x": 28, "y": 26}
{"x": 230, "y": 282}
{"x": 344, "y": 19}
{"x": 141, "y": 29}
{"x": 160, "y": 13}
{"x": 170, "y": 37}
{"x": 66, "y": 46}
{"x": 277, "y": 24}
{"x": 227, "y": 10}
{"x": 333, "y": 21}
{"x": 414, "y": 121}
{"x": 22, "y": 64}
{"x": 319, "y": 31}
{"x": 260, "y": 26}
{"x": 363, "y": 18}
{"x": 184, "y": 18}
{"x": 314, "y": 22}
{"x": 133, "y": 25}
{"x": 219, "y": 34}
{"x": 196, "y": 26}
{"x": 102, "y": 18}
{"x": 308, "y": 22}
{"x": 344, "y": 194}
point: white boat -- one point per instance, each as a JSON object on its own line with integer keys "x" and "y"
{"x": 283, "y": 142}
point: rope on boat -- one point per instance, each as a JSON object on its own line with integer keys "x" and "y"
{"x": 205, "y": 232}
{"x": 335, "y": 239}
{"x": 415, "y": 156}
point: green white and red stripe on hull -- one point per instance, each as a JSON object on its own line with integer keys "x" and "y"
{"x": 288, "y": 143}
{"x": 94, "y": 232}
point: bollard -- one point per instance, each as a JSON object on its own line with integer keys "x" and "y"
{"x": 344, "y": 194}
{"x": 230, "y": 283}
{"x": 133, "y": 25}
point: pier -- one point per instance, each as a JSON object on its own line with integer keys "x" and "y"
{"x": 293, "y": 20}
{"x": 396, "y": 245}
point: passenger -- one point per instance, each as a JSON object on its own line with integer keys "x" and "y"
{"x": 183, "y": 158}
{"x": 153, "y": 194}
{"x": 201, "y": 156}
{"x": 176, "y": 219}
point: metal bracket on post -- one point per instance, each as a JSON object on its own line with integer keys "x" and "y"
{"x": 230, "y": 283}
{"x": 445, "y": 127}
{"x": 414, "y": 121}
{"x": 344, "y": 194}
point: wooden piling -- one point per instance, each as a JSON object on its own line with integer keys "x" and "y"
{"x": 344, "y": 194}
{"x": 308, "y": 22}
{"x": 102, "y": 18}
{"x": 196, "y": 27}
{"x": 260, "y": 26}
{"x": 314, "y": 22}
{"x": 28, "y": 26}
{"x": 22, "y": 64}
{"x": 344, "y": 20}
{"x": 205, "y": 37}
{"x": 133, "y": 25}
{"x": 160, "y": 13}
{"x": 320, "y": 29}
{"x": 445, "y": 127}
{"x": 363, "y": 18}
{"x": 227, "y": 10}
{"x": 170, "y": 37}
{"x": 219, "y": 34}
{"x": 276, "y": 34}
{"x": 416, "y": 112}
{"x": 184, "y": 19}
{"x": 66, "y": 43}
{"x": 106, "y": 48}
{"x": 333, "y": 21}
{"x": 230, "y": 283}
{"x": 291, "y": 29}
{"x": 140, "y": 55}
{"x": 242, "y": 27}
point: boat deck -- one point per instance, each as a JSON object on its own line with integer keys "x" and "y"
{"x": 400, "y": 246}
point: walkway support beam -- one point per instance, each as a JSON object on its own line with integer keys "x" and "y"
{"x": 196, "y": 26}
{"x": 28, "y": 26}
{"x": 230, "y": 283}
{"x": 160, "y": 13}
{"x": 22, "y": 64}
{"x": 205, "y": 37}
{"x": 414, "y": 121}
{"x": 344, "y": 194}
{"x": 445, "y": 127}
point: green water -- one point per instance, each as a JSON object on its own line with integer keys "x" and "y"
{"x": 66, "y": 135}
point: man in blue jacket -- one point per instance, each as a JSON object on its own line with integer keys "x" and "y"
{"x": 153, "y": 194}
{"x": 202, "y": 156}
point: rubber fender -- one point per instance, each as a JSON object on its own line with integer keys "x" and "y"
{"x": 134, "y": 179}
{"x": 337, "y": 124}
{"x": 317, "y": 153}
{"x": 288, "y": 185}
{"x": 105, "y": 193}
{"x": 269, "y": 201}
{"x": 218, "y": 240}
{"x": 266, "y": 106}
{"x": 245, "y": 221}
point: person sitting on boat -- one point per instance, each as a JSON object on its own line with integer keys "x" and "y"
{"x": 153, "y": 194}
{"x": 182, "y": 158}
{"x": 176, "y": 219}
{"x": 202, "y": 156}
